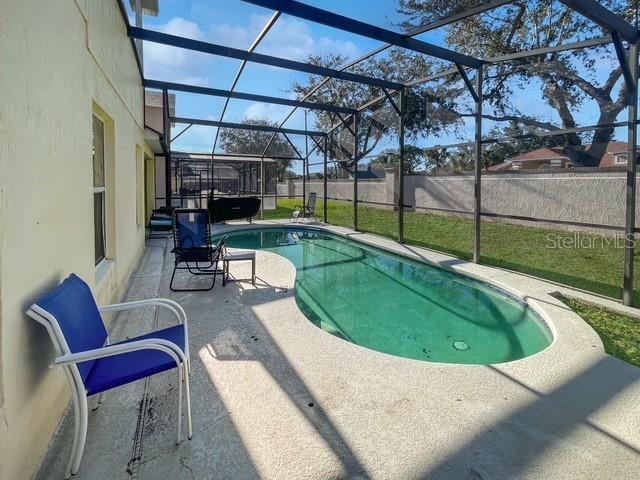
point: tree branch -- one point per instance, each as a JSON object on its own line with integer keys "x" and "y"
{"x": 556, "y": 68}
{"x": 611, "y": 81}
{"x": 515, "y": 25}
{"x": 531, "y": 122}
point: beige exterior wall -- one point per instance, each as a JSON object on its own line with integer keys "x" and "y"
{"x": 61, "y": 61}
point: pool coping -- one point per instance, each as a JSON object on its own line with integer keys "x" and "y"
{"x": 570, "y": 333}
{"x": 274, "y": 396}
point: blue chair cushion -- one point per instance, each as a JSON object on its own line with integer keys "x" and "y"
{"x": 73, "y": 306}
{"x": 111, "y": 372}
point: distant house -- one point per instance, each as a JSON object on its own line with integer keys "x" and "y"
{"x": 616, "y": 155}
{"x": 367, "y": 172}
{"x": 557, "y": 157}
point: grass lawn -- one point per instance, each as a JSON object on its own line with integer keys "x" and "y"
{"x": 619, "y": 334}
{"x": 522, "y": 248}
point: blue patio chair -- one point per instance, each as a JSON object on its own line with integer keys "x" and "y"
{"x": 193, "y": 248}
{"x": 93, "y": 365}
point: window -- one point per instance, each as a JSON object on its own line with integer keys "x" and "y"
{"x": 556, "y": 162}
{"x": 621, "y": 159}
{"x": 99, "y": 191}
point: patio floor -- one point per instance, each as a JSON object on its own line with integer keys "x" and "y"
{"x": 274, "y": 397}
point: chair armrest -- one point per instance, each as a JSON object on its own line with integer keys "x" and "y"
{"x": 170, "y": 348}
{"x": 175, "y": 307}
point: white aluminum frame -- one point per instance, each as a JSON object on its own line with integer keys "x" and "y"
{"x": 102, "y": 190}
{"x": 68, "y": 361}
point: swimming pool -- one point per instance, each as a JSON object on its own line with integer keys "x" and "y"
{"x": 389, "y": 303}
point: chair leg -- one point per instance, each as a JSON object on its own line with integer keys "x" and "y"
{"x": 175, "y": 267}
{"x": 98, "y": 401}
{"x": 173, "y": 289}
{"x": 188, "y": 395}
{"x": 81, "y": 432}
{"x": 215, "y": 274}
{"x": 179, "y": 405}
{"x": 76, "y": 433}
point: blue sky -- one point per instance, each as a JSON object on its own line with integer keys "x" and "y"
{"x": 236, "y": 23}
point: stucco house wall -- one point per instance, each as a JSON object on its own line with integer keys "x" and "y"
{"x": 61, "y": 62}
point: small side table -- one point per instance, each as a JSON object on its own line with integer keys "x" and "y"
{"x": 238, "y": 256}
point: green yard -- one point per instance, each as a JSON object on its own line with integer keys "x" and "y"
{"x": 521, "y": 248}
{"x": 619, "y": 333}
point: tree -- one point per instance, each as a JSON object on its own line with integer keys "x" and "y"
{"x": 513, "y": 141}
{"x": 376, "y": 122}
{"x": 436, "y": 159}
{"x": 568, "y": 79}
{"x": 414, "y": 158}
{"x": 253, "y": 142}
{"x": 516, "y": 143}
{"x": 450, "y": 159}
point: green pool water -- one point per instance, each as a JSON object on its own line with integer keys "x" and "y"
{"x": 394, "y": 305}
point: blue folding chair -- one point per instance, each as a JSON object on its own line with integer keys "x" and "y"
{"x": 193, "y": 248}
{"x": 93, "y": 365}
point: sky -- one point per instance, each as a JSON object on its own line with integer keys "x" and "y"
{"x": 236, "y": 24}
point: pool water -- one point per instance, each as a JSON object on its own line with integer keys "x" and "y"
{"x": 394, "y": 305}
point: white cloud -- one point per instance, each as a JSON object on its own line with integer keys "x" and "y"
{"x": 292, "y": 39}
{"x": 232, "y": 35}
{"x": 176, "y": 64}
{"x": 289, "y": 38}
{"x": 266, "y": 110}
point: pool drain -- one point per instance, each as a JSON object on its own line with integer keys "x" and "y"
{"x": 460, "y": 345}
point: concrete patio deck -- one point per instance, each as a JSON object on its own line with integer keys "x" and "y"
{"x": 274, "y": 397}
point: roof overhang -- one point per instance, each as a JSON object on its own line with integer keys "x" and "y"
{"x": 149, "y": 7}
{"x": 153, "y": 140}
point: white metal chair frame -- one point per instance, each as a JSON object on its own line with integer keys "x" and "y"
{"x": 68, "y": 361}
{"x": 306, "y": 210}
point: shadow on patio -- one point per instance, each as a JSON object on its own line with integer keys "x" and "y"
{"x": 516, "y": 445}
{"x": 273, "y": 397}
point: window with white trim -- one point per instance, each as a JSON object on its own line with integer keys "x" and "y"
{"x": 621, "y": 159}
{"x": 99, "y": 190}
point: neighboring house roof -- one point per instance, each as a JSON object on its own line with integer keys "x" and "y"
{"x": 500, "y": 166}
{"x": 617, "y": 147}
{"x": 547, "y": 154}
{"x": 541, "y": 154}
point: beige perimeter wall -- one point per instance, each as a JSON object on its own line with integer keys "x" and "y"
{"x": 588, "y": 197}
{"x": 59, "y": 61}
